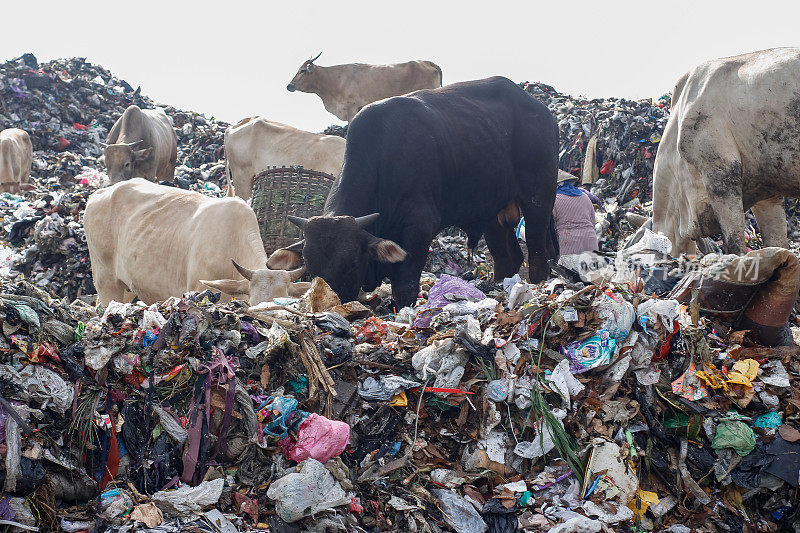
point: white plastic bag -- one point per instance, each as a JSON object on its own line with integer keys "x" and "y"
{"x": 459, "y": 513}
{"x": 189, "y": 500}
{"x": 304, "y": 493}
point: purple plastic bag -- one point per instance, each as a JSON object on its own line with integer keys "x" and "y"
{"x": 437, "y": 297}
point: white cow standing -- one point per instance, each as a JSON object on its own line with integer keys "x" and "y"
{"x": 16, "y": 155}
{"x": 732, "y": 143}
{"x": 156, "y": 241}
{"x": 255, "y": 144}
{"x": 346, "y": 89}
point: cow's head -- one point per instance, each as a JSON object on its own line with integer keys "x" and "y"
{"x": 121, "y": 160}
{"x": 338, "y": 249}
{"x": 262, "y": 285}
{"x": 300, "y": 82}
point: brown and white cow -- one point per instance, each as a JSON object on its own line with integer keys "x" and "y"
{"x": 345, "y": 89}
{"x": 141, "y": 144}
{"x": 156, "y": 241}
{"x": 16, "y": 155}
{"x": 732, "y": 143}
{"x": 255, "y": 144}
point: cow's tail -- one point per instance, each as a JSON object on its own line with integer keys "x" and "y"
{"x": 231, "y": 192}
{"x": 554, "y": 238}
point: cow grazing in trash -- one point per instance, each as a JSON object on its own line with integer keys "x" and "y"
{"x": 16, "y": 155}
{"x": 345, "y": 89}
{"x": 256, "y": 144}
{"x": 141, "y": 144}
{"x": 732, "y": 143}
{"x": 156, "y": 241}
{"x": 476, "y": 155}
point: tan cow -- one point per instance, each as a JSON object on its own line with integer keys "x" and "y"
{"x": 141, "y": 144}
{"x": 16, "y": 154}
{"x": 345, "y": 89}
{"x": 732, "y": 143}
{"x": 255, "y": 144}
{"x": 156, "y": 241}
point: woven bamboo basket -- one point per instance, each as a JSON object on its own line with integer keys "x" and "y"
{"x": 282, "y": 191}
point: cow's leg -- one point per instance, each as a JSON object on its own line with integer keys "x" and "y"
{"x": 771, "y": 218}
{"x": 505, "y": 250}
{"x": 730, "y": 215}
{"x": 110, "y": 289}
{"x": 538, "y": 239}
{"x": 405, "y": 275}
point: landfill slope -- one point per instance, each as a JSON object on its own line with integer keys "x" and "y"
{"x": 632, "y": 392}
{"x": 67, "y": 106}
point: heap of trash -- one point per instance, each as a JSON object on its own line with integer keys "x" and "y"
{"x": 68, "y": 106}
{"x": 632, "y": 391}
{"x": 592, "y": 402}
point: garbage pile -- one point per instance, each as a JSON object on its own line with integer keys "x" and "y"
{"x": 67, "y": 106}
{"x": 633, "y": 392}
{"x": 613, "y": 140}
{"x": 565, "y": 406}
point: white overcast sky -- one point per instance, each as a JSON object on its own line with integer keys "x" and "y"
{"x": 232, "y": 59}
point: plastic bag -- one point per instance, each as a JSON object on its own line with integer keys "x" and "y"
{"x": 318, "y": 438}
{"x": 617, "y": 314}
{"x": 665, "y": 311}
{"x": 384, "y": 388}
{"x": 304, "y": 493}
{"x": 734, "y": 434}
{"x": 595, "y": 351}
{"x": 442, "y": 360}
{"x": 459, "y": 513}
{"x": 189, "y": 500}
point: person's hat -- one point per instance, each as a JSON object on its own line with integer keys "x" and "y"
{"x": 565, "y": 176}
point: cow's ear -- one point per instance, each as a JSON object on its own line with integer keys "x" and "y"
{"x": 234, "y": 287}
{"x": 141, "y": 154}
{"x": 386, "y": 251}
{"x": 283, "y": 259}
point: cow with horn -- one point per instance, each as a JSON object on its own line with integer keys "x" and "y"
{"x": 142, "y": 143}
{"x": 345, "y": 89}
{"x": 477, "y": 155}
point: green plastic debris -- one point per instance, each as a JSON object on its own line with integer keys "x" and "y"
{"x": 736, "y": 435}
{"x": 525, "y": 499}
{"x": 299, "y": 384}
{"x": 770, "y": 420}
{"x": 26, "y": 313}
{"x": 79, "y": 331}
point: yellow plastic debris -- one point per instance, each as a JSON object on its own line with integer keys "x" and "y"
{"x": 642, "y": 502}
{"x": 743, "y": 372}
{"x": 399, "y": 400}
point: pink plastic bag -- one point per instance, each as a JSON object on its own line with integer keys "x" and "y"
{"x": 318, "y": 438}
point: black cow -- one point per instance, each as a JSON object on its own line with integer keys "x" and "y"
{"x": 476, "y": 155}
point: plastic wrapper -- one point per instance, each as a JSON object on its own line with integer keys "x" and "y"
{"x": 311, "y": 490}
{"x": 459, "y": 513}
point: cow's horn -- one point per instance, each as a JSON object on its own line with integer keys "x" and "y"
{"x": 297, "y": 273}
{"x": 312, "y": 60}
{"x": 366, "y": 220}
{"x": 245, "y": 272}
{"x": 103, "y": 145}
{"x": 298, "y": 221}
{"x": 134, "y": 143}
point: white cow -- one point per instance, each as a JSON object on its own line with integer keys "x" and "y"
{"x": 156, "y": 241}
{"x": 142, "y": 143}
{"x": 345, "y": 89}
{"x": 255, "y": 144}
{"x": 732, "y": 143}
{"x": 16, "y": 154}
